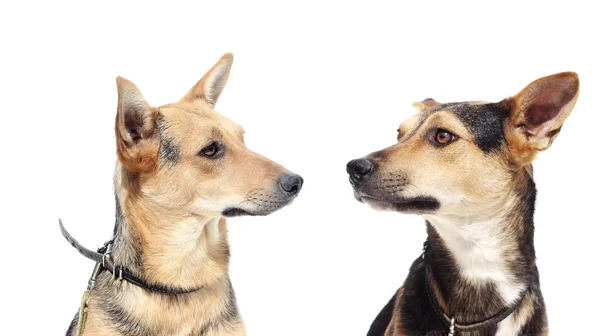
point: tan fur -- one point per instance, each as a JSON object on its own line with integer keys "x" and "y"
{"x": 484, "y": 191}
{"x": 490, "y": 178}
{"x": 172, "y": 199}
{"x": 422, "y": 105}
{"x": 426, "y": 166}
{"x": 522, "y": 148}
{"x": 197, "y": 309}
{"x": 395, "y": 326}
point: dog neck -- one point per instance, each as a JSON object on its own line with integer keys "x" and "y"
{"x": 479, "y": 267}
{"x": 164, "y": 248}
{"x": 169, "y": 249}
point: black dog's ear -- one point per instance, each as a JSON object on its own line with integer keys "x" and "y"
{"x": 210, "y": 86}
{"x": 429, "y": 102}
{"x": 538, "y": 112}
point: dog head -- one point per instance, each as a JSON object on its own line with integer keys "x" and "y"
{"x": 188, "y": 158}
{"x": 459, "y": 159}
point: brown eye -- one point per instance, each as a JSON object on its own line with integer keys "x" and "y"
{"x": 210, "y": 150}
{"x": 443, "y": 137}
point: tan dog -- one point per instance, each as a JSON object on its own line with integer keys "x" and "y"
{"x": 182, "y": 169}
{"x": 466, "y": 168}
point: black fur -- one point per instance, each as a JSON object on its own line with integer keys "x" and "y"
{"x": 235, "y": 212}
{"x": 383, "y": 318}
{"x": 169, "y": 151}
{"x": 121, "y": 320}
{"x": 425, "y": 203}
{"x": 73, "y": 325}
{"x": 467, "y": 303}
{"x": 484, "y": 121}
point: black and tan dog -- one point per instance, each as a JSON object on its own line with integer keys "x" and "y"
{"x": 182, "y": 169}
{"x": 466, "y": 168}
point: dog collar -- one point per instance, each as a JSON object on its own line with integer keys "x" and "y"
{"x": 450, "y": 322}
{"x": 104, "y": 262}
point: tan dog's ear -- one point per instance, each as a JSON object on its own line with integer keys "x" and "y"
{"x": 134, "y": 128}
{"x": 429, "y": 102}
{"x": 538, "y": 112}
{"x": 209, "y": 88}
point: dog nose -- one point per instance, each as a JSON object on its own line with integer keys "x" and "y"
{"x": 291, "y": 183}
{"x": 359, "y": 168}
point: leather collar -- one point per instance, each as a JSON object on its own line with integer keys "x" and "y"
{"x": 104, "y": 262}
{"x": 450, "y": 322}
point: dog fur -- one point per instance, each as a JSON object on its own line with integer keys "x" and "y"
{"x": 182, "y": 169}
{"x": 466, "y": 168}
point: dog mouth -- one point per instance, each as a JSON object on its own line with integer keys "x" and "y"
{"x": 237, "y": 212}
{"x": 257, "y": 207}
{"x": 256, "y": 211}
{"x": 400, "y": 204}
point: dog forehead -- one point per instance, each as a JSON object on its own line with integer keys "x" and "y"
{"x": 194, "y": 116}
{"x": 412, "y": 121}
{"x": 485, "y": 121}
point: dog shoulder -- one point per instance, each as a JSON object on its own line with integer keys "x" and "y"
{"x": 531, "y": 317}
{"x": 413, "y": 314}
{"x": 73, "y": 325}
{"x": 384, "y": 318}
{"x": 405, "y": 306}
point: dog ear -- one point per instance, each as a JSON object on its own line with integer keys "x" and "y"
{"x": 429, "y": 102}
{"x": 538, "y": 112}
{"x": 134, "y": 128}
{"x": 209, "y": 88}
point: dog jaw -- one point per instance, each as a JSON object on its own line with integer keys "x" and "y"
{"x": 262, "y": 206}
{"x": 413, "y": 205}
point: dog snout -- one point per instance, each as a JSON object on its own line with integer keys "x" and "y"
{"x": 291, "y": 184}
{"x": 359, "y": 168}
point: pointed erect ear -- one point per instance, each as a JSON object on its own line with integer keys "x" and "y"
{"x": 429, "y": 102}
{"x": 209, "y": 88}
{"x": 134, "y": 128}
{"x": 538, "y": 112}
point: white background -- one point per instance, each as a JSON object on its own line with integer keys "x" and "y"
{"x": 314, "y": 85}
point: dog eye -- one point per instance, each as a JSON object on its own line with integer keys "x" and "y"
{"x": 443, "y": 137}
{"x": 210, "y": 150}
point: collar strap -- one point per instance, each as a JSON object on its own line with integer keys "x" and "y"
{"x": 104, "y": 261}
{"x": 451, "y": 322}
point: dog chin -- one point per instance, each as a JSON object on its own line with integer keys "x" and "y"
{"x": 377, "y": 204}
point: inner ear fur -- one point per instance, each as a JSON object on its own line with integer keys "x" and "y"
{"x": 422, "y": 105}
{"x": 537, "y": 114}
{"x": 135, "y": 125}
{"x": 211, "y": 85}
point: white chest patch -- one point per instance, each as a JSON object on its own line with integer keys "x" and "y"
{"x": 508, "y": 327}
{"x": 480, "y": 254}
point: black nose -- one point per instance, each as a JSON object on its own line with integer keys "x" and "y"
{"x": 359, "y": 168}
{"x": 291, "y": 183}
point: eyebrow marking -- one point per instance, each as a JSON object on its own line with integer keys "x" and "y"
{"x": 169, "y": 151}
{"x": 420, "y": 123}
{"x": 215, "y": 133}
{"x": 485, "y": 122}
